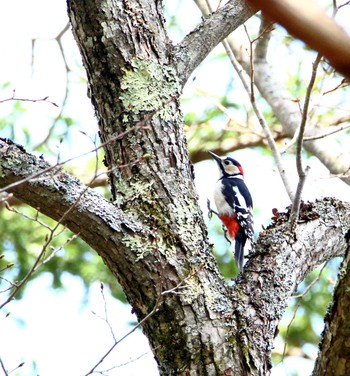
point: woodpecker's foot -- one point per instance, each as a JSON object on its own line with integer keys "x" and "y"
{"x": 210, "y": 210}
{"x": 224, "y": 229}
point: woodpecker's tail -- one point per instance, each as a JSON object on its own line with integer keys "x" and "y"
{"x": 240, "y": 241}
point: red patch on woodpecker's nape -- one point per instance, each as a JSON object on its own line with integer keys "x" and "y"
{"x": 231, "y": 224}
{"x": 240, "y": 169}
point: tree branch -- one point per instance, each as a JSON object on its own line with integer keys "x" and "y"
{"x": 327, "y": 151}
{"x": 333, "y": 353}
{"x": 326, "y": 134}
{"x": 230, "y": 145}
{"x": 280, "y": 261}
{"x": 132, "y": 250}
{"x": 305, "y": 115}
{"x": 301, "y": 130}
{"x": 263, "y": 40}
{"x": 209, "y": 328}
{"x": 261, "y": 119}
{"x": 249, "y": 88}
{"x": 54, "y": 193}
{"x": 308, "y": 22}
{"x": 197, "y": 45}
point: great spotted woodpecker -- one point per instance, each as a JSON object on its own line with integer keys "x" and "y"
{"x": 234, "y": 204}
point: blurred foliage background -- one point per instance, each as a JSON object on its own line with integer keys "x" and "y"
{"x": 43, "y": 61}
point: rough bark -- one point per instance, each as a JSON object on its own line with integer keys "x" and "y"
{"x": 209, "y": 328}
{"x": 152, "y": 236}
{"x": 197, "y": 45}
{"x": 281, "y": 261}
{"x": 129, "y": 62}
{"x": 334, "y": 355}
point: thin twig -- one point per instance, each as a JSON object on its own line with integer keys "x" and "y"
{"x": 303, "y": 173}
{"x": 221, "y": 107}
{"x": 251, "y": 66}
{"x": 50, "y": 168}
{"x": 126, "y": 363}
{"x": 8, "y": 266}
{"x": 8, "y": 288}
{"x": 259, "y": 115}
{"x": 19, "y": 366}
{"x": 294, "y": 213}
{"x": 262, "y": 121}
{"x": 3, "y": 367}
{"x": 52, "y": 127}
{"x": 34, "y": 219}
{"x": 343, "y": 5}
{"x": 288, "y": 327}
{"x": 305, "y": 115}
{"x": 296, "y": 133}
{"x": 299, "y": 146}
{"x": 106, "y": 311}
{"x": 309, "y": 287}
{"x": 263, "y": 39}
{"x": 153, "y": 311}
{"x": 14, "y": 98}
{"x": 139, "y": 125}
{"x": 20, "y": 284}
{"x": 56, "y": 250}
{"x": 344, "y": 82}
{"x": 339, "y": 129}
{"x": 299, "y": 297}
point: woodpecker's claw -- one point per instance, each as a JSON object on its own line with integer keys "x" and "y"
{"x": 224, "y": 229}
{"x": 210, "y": 210}
{"x": 210, "y": 214}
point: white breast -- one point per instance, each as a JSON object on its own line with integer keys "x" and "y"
{"x": 221, "y": 205}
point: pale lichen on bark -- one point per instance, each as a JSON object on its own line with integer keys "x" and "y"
{"x": 147, "y": 86}
{"x": 153, "y": 237}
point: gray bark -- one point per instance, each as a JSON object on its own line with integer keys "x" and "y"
{"x": 206, "y": 327}
{"x": 334, "y": 355}
{"x": 152, "y": 236}
{"x": 197, "y": 45}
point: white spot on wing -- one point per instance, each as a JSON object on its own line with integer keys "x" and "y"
{"x": 240, "y": 198}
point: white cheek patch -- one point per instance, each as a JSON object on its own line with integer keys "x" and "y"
{"x": 231, "y": 169}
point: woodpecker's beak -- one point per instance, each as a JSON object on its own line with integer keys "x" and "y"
{"x": 216, "y": 157}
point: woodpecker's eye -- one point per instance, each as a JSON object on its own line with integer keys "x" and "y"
{"x": 226, "y": 163}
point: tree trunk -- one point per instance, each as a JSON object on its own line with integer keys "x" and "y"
{"x": 134, "y": 87}
{"x": 200, "y": 325}
{"x": 152, "y": 236}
